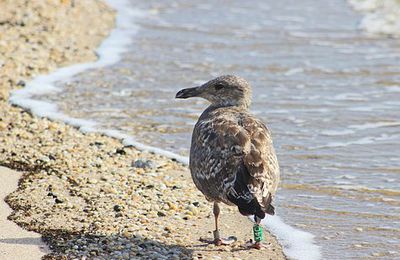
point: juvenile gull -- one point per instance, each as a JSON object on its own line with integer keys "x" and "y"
{"x": 232, "y": 159}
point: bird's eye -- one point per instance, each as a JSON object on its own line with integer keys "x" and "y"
{"x": 218, "y": 86}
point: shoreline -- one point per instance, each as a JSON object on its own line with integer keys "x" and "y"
{"x": 81, "y": 191}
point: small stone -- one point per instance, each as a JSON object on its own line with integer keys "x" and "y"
{"x": 194, "y": 210}
{"x": 4, "y": 94}
{"x": 118, "y": 208}
{"x": 3, "y": 126}
{"x": 92, "y": 181}
{"x": 143, "y": 164}
{"x": 161, "y": 214}
{"x": 57, "y": 200}
{"x": 172, "y": 206}
{"x": 120, "y": 151}
{"x": 175, "y": 257}
{"x": 21, "y": 83}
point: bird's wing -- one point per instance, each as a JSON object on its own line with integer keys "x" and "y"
{"x": 257, "y": 173}
{"x": 260, "y": 162}
{"x": 237, "y": 150}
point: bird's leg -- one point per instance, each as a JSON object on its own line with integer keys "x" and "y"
{"x": 258, "y": 233}
{"x": 217, "y": 238}
{"x": 216, "y": 211}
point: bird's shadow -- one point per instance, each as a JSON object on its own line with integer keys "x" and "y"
{"x": 205, "y": 247}
{"x": 79, "y": 244}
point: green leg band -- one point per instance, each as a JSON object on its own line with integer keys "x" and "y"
{"x": 258, "y": 233}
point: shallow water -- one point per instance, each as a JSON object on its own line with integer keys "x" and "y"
{"x": 330, "y": 95}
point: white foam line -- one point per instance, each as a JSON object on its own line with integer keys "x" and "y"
{"x": 295, "y": 242}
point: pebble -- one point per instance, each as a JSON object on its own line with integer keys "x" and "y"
{"x": 92, "y": 181}
{"x": 3, "y": 126}
{"x": 144, "y": 164}
{"x": 117, "y": 208}
{"x": 120, "y": 151}
{"x": 161, "y": 214}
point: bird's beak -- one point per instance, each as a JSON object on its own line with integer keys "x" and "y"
{"x": 188, "y": 92}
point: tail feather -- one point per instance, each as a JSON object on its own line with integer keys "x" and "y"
{"x": 247, "y": 204}
{"x": 270, "y": 210}
{"x": 252, "y": 208}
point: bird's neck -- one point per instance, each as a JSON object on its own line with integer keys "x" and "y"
{"x": 241, "y": 104}
{"x": 210, "y": 109}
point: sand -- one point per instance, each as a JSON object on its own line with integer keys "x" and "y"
{"x": 15, "y": 242}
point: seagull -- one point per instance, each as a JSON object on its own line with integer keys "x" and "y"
{"x": 232, "y": 158}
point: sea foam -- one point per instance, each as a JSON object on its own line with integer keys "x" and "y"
{"x": 296, "y": 244}
{"x": 381, "y": 17}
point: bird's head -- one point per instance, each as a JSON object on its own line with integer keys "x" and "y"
{"x": 227, "y": 90}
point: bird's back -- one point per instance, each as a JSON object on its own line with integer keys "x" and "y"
{"x": 232, "y": 160}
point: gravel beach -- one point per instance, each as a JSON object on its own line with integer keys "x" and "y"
{"x": 87, "y": 194}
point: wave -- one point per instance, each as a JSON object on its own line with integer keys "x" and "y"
{"x": 381, "y": 17}
{"x": 296, "y": 244}
{"x": 360, "y": 141}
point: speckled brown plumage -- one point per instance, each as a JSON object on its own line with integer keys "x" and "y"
{"x": 232, "y": 159}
